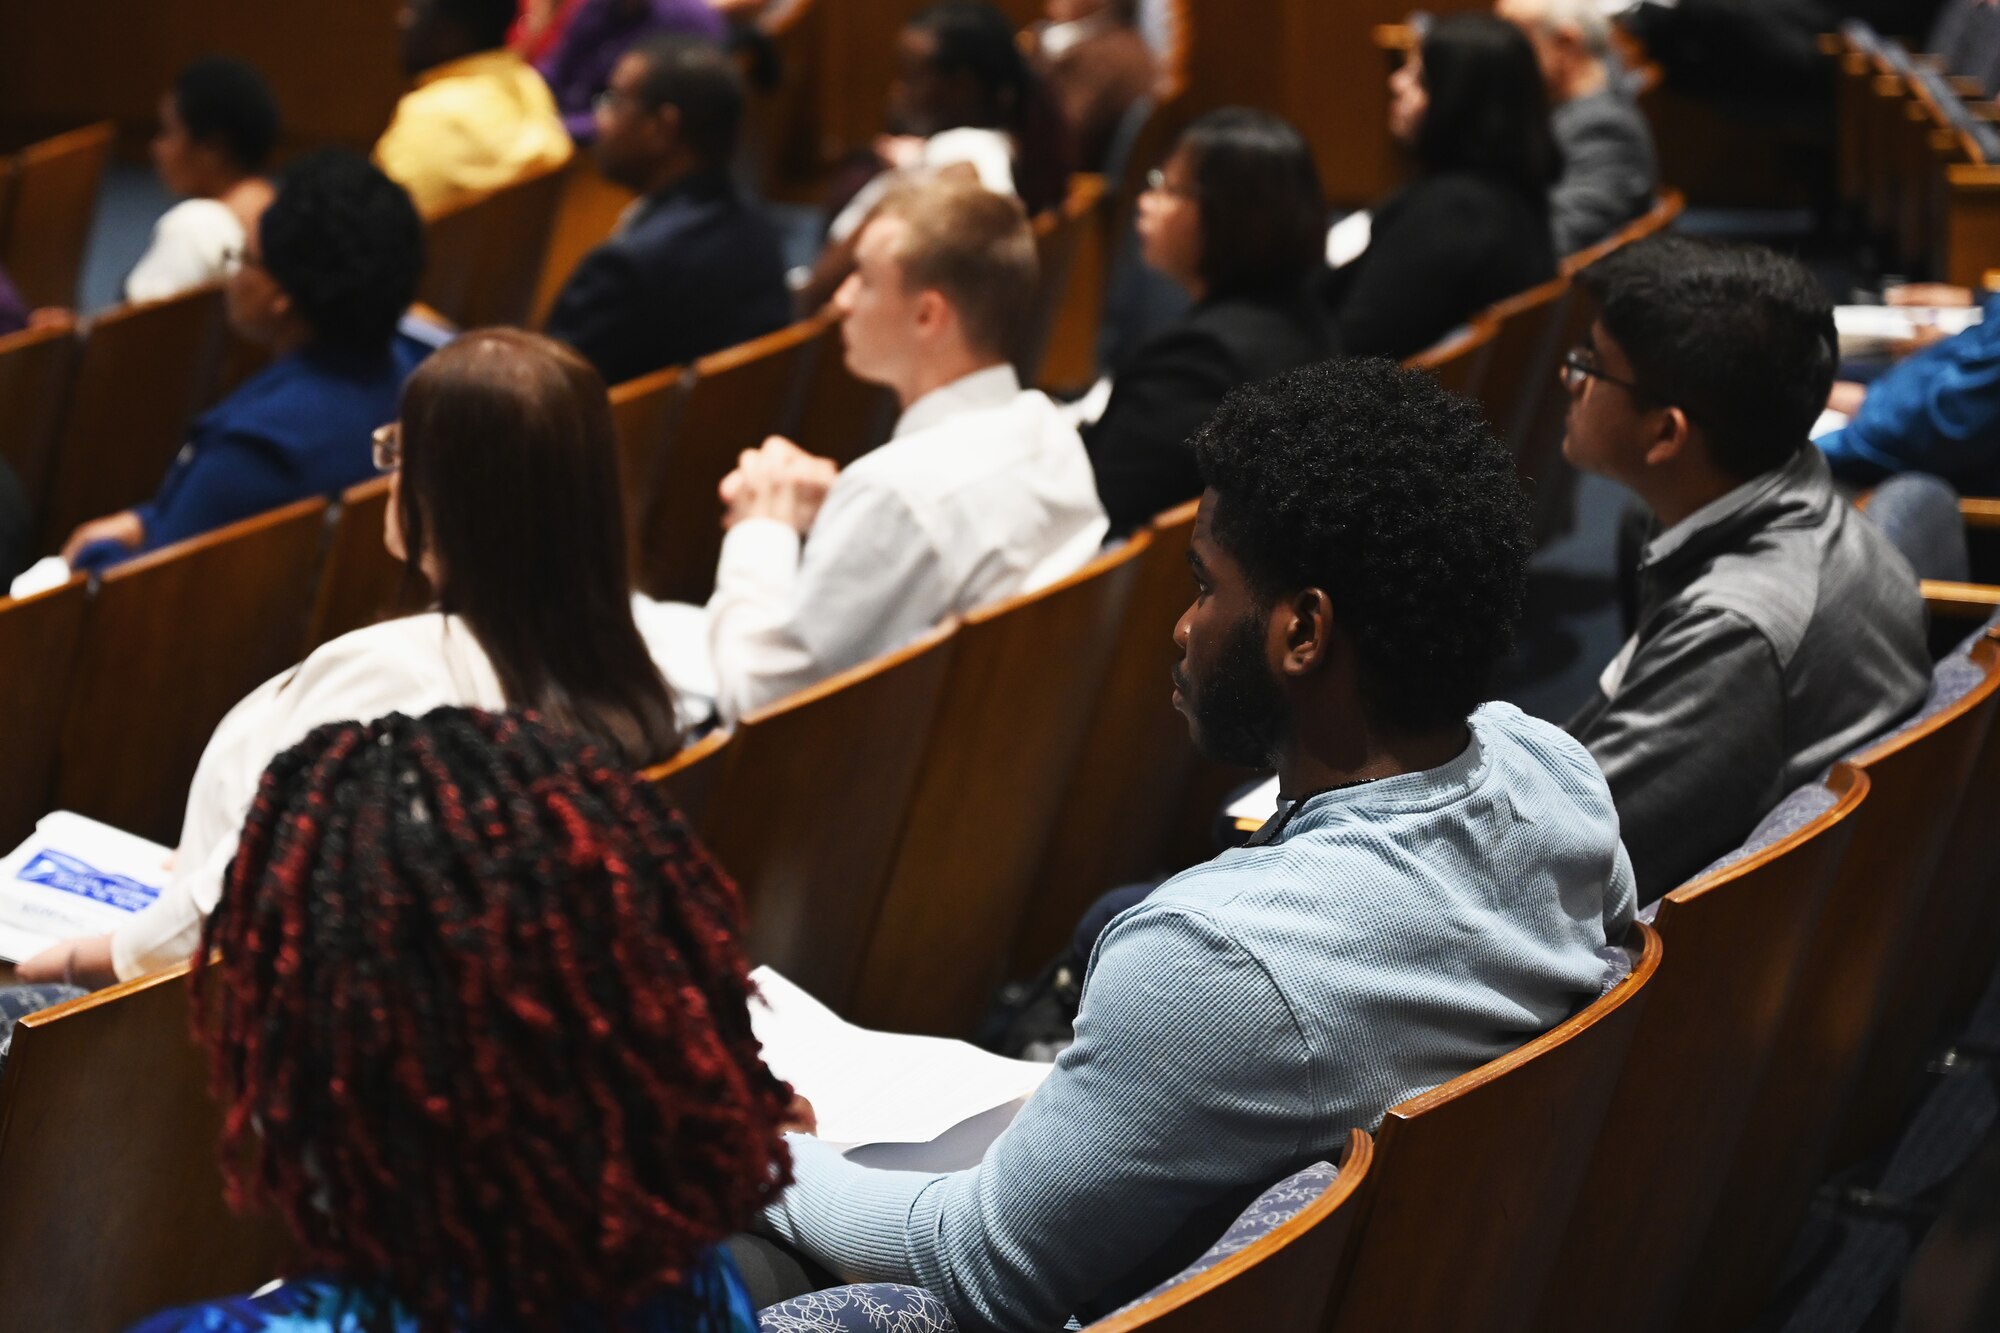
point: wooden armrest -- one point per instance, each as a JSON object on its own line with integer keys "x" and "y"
{"x": 1980, "y": 512}
{"x": 1960, "y": 601}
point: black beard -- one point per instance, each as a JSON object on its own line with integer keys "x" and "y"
{"x": 1238, "y": 710}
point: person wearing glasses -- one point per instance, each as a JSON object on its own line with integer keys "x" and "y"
{"x": 1777, "y": 628}
{"x": 595, "y": 37}
{"x": 694, "y": 265}
{"x": 326, "y": 271}
{"x": 504, "y": 499}
{"x": 1235, "y": 217}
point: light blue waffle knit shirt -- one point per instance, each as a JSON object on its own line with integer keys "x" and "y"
{"x": 1238, "y": 1023}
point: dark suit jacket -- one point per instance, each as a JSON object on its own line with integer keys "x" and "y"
{"x": 1609, "y": 168}
{"x": 1139, "y": 447}
{"x": 1441, "y": 250}
{"x": 693, "y": 270}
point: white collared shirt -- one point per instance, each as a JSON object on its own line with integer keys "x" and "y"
{"x": 983, "y": 492}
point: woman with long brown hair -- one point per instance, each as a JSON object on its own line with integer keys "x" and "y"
{"x": 505, "y": 499}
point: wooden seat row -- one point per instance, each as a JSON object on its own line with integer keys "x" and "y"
{"x": 48, "y": 195}
{"x": 114, "y": 689}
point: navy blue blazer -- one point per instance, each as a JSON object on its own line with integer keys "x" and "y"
{"x": 694, "y": 269}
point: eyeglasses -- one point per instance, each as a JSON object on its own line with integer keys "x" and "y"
{"x": 1581, "y": 364}
{"x": 388, "y": 447}
{"x": 610, "y": 99}
{"x": 1156, "y": 181}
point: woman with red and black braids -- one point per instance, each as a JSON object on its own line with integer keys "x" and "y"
{"x": 476, "y": 1012}
{"x": 504, "y": 500}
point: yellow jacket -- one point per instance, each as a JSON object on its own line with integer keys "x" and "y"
{"x": 469, "y": 126}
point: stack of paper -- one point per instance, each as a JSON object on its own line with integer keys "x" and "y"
{"x": 74, "y": 876}
{"x": 870, "y": 1087}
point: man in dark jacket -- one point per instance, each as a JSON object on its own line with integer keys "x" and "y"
{"x": 693, "y": 267}
{"x": 1778, "y": 629}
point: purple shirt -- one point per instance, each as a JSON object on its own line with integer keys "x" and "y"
{"x": 601, "y": 33}
{"x": 13, "y": 310}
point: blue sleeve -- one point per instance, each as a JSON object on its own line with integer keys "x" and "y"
{"x": 233, "y": 476}
{"x": 1937, "y": 412}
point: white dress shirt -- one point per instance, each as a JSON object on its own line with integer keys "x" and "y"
{"x": 983, "y": 492}
{"x": 411, "y": 666}
{"x": 192, "y": 244}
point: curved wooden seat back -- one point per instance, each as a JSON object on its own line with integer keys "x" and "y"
{"x": 108, "y": 1163}
{"x": 735, "y": 400}
{"x": 511, "y": 234}
{"x": 841, "y": 417}
{"x": 140, "y": 377}
{"x": 690, "y": 778}
{"x": 173, "y": 640}
{"x": 1123, "y": 792}
{"x": 1971, "y": 856}
{"x": 1474, "y": 1178}
{"x": 643, "y": 412}
{"x": 35, "y": 370}
{"x": 1458, "y": 361}
{"x": 40, "y": 637}
{"x": 1670, "y": 205}
{"x": 451, "y": 250}
{"x": 1280, "y": 1283}
{"x": 1023, "y": 679}
{"x": 1736, "y": 938}
{"x": 1521, "y": 365}
{"x": 361, "y": 584}
{"x": 840, "y": 760}
{"x": 1069, "y": 245}
{"x": 1915, "y": 777}
{"x": 55, "y": 197}
{"x": 1917, "y": 994}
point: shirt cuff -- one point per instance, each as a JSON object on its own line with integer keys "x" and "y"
{"x": 853, "y": 1219}
{"x": 758, "y": 550}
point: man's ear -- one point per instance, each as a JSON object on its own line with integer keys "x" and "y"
{"x": 1308, "y": 632}
{"x": 1671, "y": 439}
{"x": 667, "y": 119}
{"x": 934, "y": 313}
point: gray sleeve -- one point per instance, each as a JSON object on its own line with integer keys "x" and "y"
{"x": 1607, "y": 180}
{"x": 1186, "y": 1080}
{"x": 1693, "y": 744}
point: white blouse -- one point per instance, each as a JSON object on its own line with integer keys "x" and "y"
{"x": 409, "y": 666}
{"x": 191, "y": 245}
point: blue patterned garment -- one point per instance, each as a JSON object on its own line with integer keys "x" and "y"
{"x": 314, "y": 1305}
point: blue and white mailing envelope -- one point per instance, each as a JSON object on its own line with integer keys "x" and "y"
{"x": 74, "y": 876}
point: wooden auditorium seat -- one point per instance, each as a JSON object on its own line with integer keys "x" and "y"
{"x": 172, "y": 641}
{"x": 39, "y": 640}
{"x": 585, "y": 216}
{"x": 1916, "y": 776}
{"x": 1023, "y": 679}
{"x": 109, "y": 1162}
{"x": 643, "y": 412}
{"x": 482, "y": 256}
{"x": 690, "y": 778}
{"x": 1662, "y": 215}
{"x": 1474, "y": 1178}
{"x": 840, "y": 761}
{"x": 1119, "y": 798}
{"x": 360, "y": 582}
{"x": 35, "y": 369}
{"x": 1972, "y": 865}
{"x": 841, "y": 417}
{"x": 1458, "y": 360}
{"x": 143, "y": 371}
{"x": 735, "y": 400}
{"x": 1521, "y": 366}
{"x": 55, "y": 197}
{"x": 1069, "y": 245}
{"x": 1279, "y": 1283}
{"x": 1734, "y": 939}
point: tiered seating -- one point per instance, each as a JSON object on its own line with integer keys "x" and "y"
{"x": 39, "y": 639}
{"x": 35, "y": 369}
{"x": 50, "y": 200}
{"x": 483, "y": 256}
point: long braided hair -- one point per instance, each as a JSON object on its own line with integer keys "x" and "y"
{"x": 476, "y": 1011}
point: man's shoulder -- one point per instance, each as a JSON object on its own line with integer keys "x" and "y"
{"x": 967, "y": 447}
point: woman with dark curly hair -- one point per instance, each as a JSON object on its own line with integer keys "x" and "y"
{"x": 325, "y": 274}
{"x": 477, "y": 1013}
{"x": 1472, "y": 226}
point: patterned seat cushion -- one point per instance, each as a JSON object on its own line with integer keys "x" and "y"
{"x": 17, "y": 1002}
{"x": 869, "y": 1307}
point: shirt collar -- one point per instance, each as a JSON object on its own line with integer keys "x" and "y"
{"x": 1718, "y": 513}
{"x": 477, "y": 65}
{"x": 1426, "y": 788}
{"x": 995, "y": 386}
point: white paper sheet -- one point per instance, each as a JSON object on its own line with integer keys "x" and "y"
{"x": 48, "y": 572}
{"x": 1829, "y": 422}
{"x": 1869, "y": 330}
{"x": 1258, "y": 805}
{"x": 73, "y": 876}
{"x": 871, "y": 1087}
{"x": 1347, "y": 240}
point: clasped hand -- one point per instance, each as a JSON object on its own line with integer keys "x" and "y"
{"x": 777, "y": 480}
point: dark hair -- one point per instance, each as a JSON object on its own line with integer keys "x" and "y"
{"x": 972, "y": 37}
{"x": 1374, "y": 485}
{"x": 485, "y": 23}
{"x": 345, "y": 243}
{"x": 1739, "y": 338}
{"x": 1488, "y": 110}
{"x": 475, "y": 1005}
{"x": 510, "y": 485}
{"x": 226, "y": 104}
{"x": 697, "y": 78}
{"x": 1263, "y": 214}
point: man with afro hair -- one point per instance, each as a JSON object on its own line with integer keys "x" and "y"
{"x": 1432, "y": 892}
